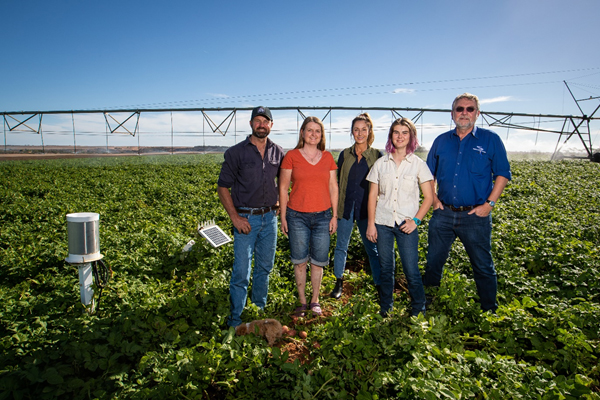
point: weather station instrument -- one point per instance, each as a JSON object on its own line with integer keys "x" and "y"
{"x": 84, "y": 252}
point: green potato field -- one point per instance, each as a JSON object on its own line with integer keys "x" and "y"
{"x": 159, "y": 330}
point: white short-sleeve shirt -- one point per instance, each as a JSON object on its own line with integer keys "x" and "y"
{"x": 398, "y": 187}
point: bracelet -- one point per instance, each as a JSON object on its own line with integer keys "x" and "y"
{"x": 417, "y": 221}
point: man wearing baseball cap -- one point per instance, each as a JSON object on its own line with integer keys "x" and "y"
{"x": 248, "y": 190}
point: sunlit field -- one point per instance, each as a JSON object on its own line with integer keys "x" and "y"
{"x": 159, "y": 330}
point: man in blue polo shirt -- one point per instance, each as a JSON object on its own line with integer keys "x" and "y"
{"x": 250, "y": 171}
{"x": 471, "y": 169}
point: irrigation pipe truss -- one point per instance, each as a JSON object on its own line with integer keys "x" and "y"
{"x": 573, "y": 126}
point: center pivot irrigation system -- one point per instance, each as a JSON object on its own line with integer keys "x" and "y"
{"x": 126, "y": 121}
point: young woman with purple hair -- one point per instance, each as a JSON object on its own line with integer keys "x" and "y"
{"x": 394, "y": 212}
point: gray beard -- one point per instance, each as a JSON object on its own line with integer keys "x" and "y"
{"x": 465, "y": 126}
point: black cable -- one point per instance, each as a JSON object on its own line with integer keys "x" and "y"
{"x": 102, "y": 275}
{"x": 261, "y": 96}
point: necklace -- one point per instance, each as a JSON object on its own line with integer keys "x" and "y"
{"x": 314, "y": 159}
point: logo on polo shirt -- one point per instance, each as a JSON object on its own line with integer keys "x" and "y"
{"x": 479, "y": 149}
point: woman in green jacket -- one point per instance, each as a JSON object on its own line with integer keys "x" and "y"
{"x": 354, "y": 164}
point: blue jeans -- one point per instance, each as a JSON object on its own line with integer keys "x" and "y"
{"x": 408, "y": 247}
{"x": 344, "y": 231}
{"x": 476, "y": 235}
{"x": 309, "y": 236}
{"x": 260, "y": 242}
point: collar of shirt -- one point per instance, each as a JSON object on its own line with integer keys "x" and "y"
{"x": 473, "y": 132}
{"x": 409, "y": 158}
{"x": 370, "y": 154}
{"x": 247, "y": 142}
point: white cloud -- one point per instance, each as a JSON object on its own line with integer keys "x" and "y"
{"x": 403, "y": 90}
{"x": 500, "y": 99}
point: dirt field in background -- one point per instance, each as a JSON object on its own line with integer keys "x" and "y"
{"x": 35, "y": 153}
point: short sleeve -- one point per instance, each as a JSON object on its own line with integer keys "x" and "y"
{"x": 373, "y": 175}
{"x": 424, "y": 172}
{"x": 332, "y": 165}
{"x": 287, "y": 162}
{"x": 227, "y": 176}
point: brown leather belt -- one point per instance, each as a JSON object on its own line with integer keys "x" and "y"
{"x": 256, "y": 211}
{"x": 463, "y": 208}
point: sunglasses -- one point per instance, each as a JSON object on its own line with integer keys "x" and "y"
{"x": 460, "y": 109}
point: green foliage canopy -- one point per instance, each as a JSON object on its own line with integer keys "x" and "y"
{"x": 160, "y": 329}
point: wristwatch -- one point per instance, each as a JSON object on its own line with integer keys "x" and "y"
{"x": 491, "y": 203}
{"x": 417, "y": 221}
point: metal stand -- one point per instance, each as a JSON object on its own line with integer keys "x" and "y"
{"x": 84, "y": 249}
{"x": 86, "y": 280}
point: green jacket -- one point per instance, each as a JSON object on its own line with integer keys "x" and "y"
{"x": 346, "y": 160}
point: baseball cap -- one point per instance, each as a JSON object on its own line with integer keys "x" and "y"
{"x": 264, "y": 111}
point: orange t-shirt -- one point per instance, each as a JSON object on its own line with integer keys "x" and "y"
{"x": 310, "y": 183}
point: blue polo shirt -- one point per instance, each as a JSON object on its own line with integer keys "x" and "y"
{"x": 252, "y": 178}
{"x": 465, "y": 169}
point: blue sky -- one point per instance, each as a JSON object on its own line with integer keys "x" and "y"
{"x": 515, "y": 55}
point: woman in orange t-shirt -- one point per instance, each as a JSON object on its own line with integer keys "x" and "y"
{"x": 309, "y": 216}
